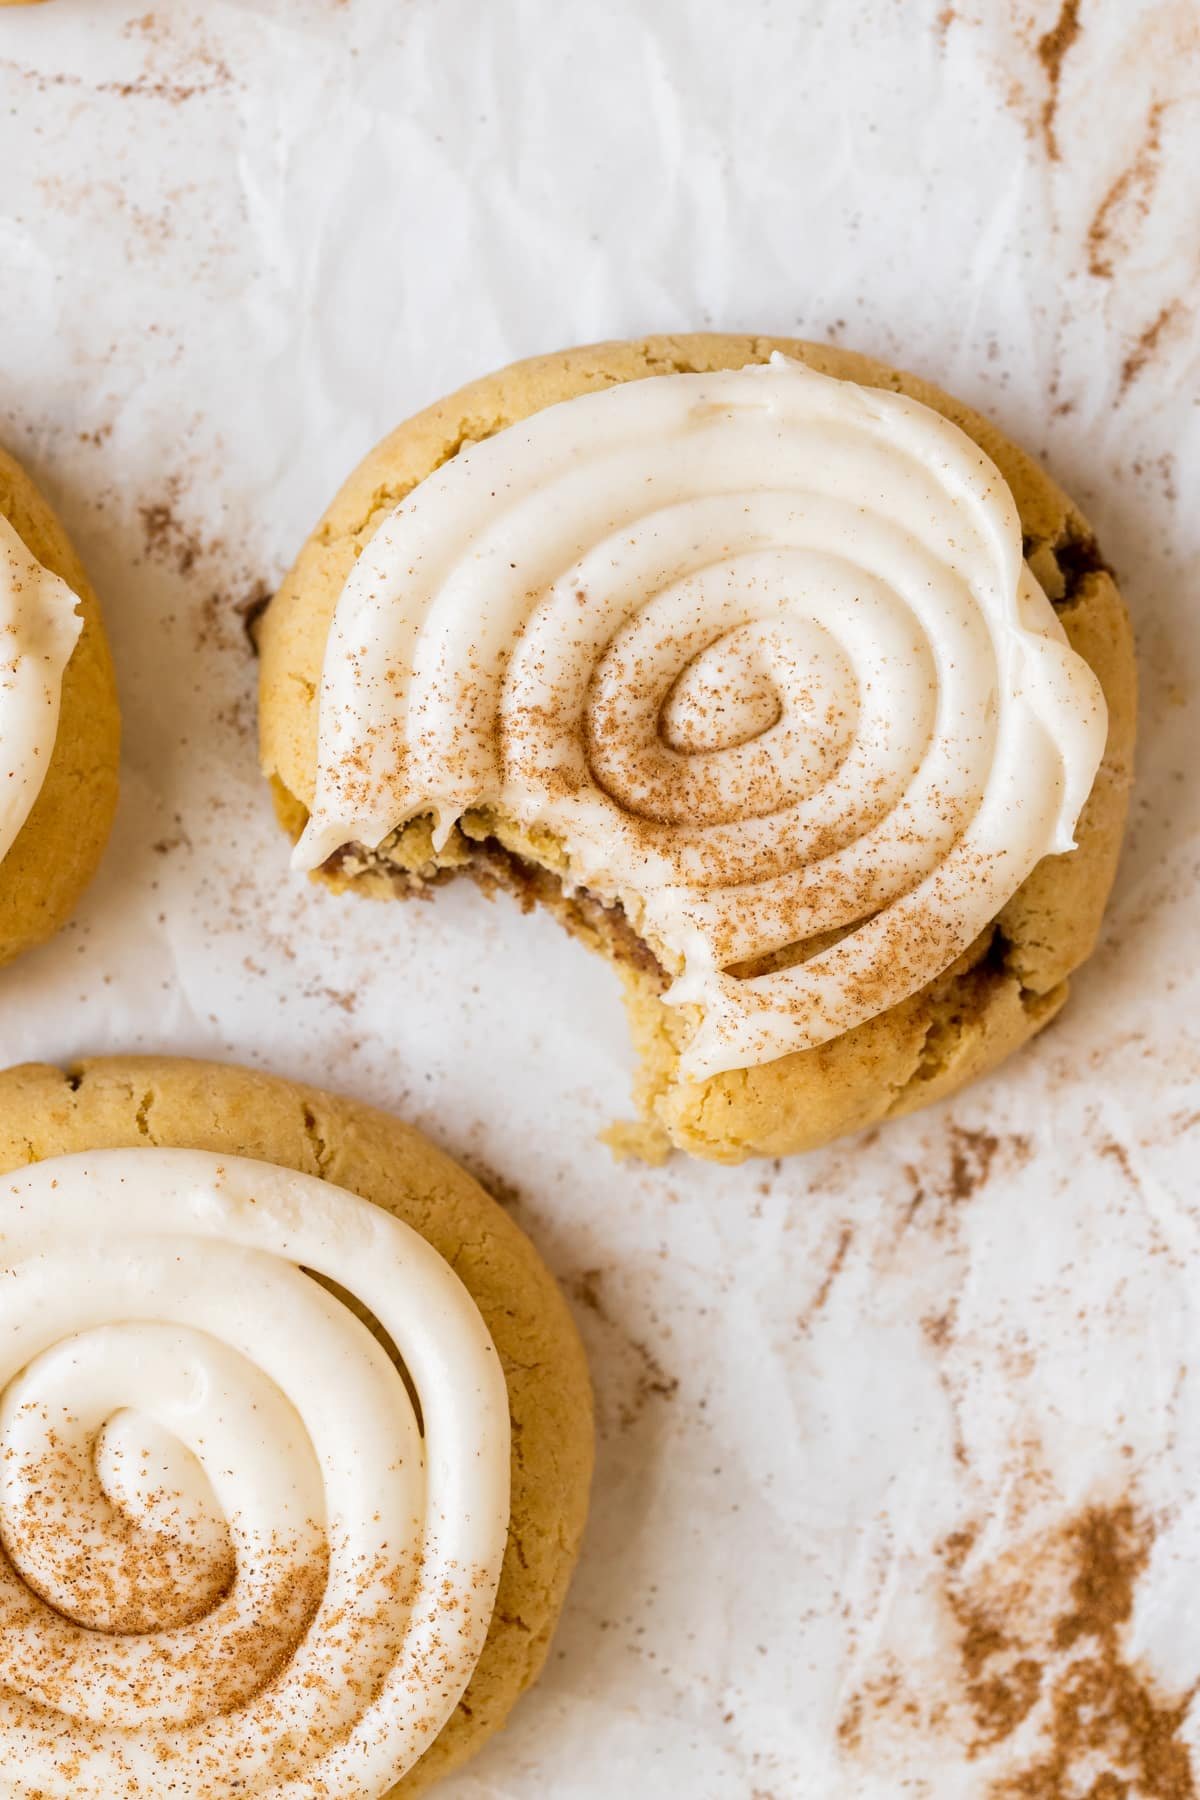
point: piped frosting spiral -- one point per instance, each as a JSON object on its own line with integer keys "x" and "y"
{"x": 39, "y": 627}
{"x": 238, "y": 1556}
{"x": 759, "y": 648}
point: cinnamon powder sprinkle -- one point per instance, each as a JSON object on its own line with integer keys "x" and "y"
{"x": 1038, "y": 1651}
{"x": 255, "y": 1668}
{"x": 1104, "y": 1712}
{"x": 1145, "y": 346}
{"x": 1130, "y": 192}
{"x": 1052, "y": 49}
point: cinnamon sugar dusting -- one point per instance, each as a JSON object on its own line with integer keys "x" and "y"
{"x": 1052, "y": 50}
{"x": 178, "y": 65}
{"x": 1129, "y": 195}
{"x": 1146, "y": 344}
{"x": 1038, "y": 1684}
{"x": 833, "y": 1269}
{"x": 245, "y": 1701}
{"x": 648, "y": 1379}
{"x": 168, "y": 535}
{"x": 972, "y": 1154}
{"x": 130, "y": 1576}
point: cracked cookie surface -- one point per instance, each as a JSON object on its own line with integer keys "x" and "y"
{"x": 1005, "y": 988}
{"x": 111, "y": 1103}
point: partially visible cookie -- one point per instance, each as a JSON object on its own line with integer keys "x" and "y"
{"x": 58, "y": 847}
{"x": 192, "y": 1227}
{"x": 991, "y": 994}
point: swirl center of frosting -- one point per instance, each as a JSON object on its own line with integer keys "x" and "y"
{"x": 733, "y": 692}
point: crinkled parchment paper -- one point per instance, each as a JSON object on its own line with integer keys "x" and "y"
{"x": 899, "y": 1443}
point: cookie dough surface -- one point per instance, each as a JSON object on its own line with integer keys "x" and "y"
{"x": 46, "y": 1112}
{"x": 59, "y": 847}
{"x": 1005, "y": 989}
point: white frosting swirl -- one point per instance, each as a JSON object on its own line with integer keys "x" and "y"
{"x": 236, "y": 1560}
{"x": 759, "y": 647}
{"x": 39, "y": 627}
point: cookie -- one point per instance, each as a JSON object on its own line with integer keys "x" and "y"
{"x": 774, "y": 1006}
{"x": 61, "y": 835}
{"x": 179, "y": 1284}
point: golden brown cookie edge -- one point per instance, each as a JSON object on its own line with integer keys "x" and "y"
{"x": 58, "y": 849}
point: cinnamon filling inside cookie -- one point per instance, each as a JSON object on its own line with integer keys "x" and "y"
{"x": 405, "y": 866}
{"x": 494, "y": 867}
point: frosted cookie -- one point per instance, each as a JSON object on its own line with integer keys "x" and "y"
{"x": 59, "y": 723}
{"x": 777, "y": 674}
{"x": 295, "y": 1443}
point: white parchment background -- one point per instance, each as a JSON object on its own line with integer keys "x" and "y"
{"x": 240, "y": 241}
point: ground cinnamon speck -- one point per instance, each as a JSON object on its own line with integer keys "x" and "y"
{"x": 1052, "y": 50}
{"x": 1130, "y": 193}
{"x": 1146, "y": 344}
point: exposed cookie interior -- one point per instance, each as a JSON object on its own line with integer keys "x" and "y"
{"x": 499, "y": 855}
